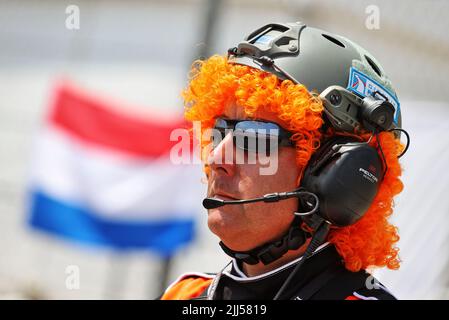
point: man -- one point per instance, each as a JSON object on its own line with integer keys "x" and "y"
{"x": 320, "y": 113}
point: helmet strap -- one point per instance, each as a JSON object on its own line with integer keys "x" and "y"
{"x": 293, "y": 239}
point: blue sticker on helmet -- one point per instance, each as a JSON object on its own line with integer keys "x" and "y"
{"x": 364, "y": 86}
{"x": 265, "y": 39}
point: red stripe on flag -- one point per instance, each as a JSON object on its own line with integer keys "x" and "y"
{"x": 92, "y": 121}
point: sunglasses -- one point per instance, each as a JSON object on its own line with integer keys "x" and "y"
{"x": 252, "y": 135}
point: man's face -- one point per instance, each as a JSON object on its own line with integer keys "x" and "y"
{"x": 244, "y": 227}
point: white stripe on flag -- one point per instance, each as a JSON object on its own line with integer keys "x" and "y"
{"x": 115, "y": 187}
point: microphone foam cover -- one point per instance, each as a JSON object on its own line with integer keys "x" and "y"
{"x": 212, "y": 203}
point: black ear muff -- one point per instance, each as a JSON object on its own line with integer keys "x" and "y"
{"x": 345, "y": 174}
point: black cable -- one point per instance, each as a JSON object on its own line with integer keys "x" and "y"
{"x": 317, "y": 239}
{"x": 382, "y": 153}
{"x": 316, "y": 203}
{"x": 408, "y": 139}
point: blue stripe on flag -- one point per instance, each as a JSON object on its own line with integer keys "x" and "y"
{"x": 76, "y": 223}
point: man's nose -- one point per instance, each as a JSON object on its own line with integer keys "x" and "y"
{"x": 222, "y": 158}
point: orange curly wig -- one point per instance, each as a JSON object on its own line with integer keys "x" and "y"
{"x": 214, "y": 83}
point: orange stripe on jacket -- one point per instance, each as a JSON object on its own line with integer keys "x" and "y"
{"x": 352, "y": 298}
{"x": 186, "y": 289}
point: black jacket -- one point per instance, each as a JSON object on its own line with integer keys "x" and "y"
{"x": 322, "y": 277}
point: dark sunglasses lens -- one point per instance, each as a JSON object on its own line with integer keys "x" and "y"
{"x": 250, "y": 141}
{"x": 221, "y": 124}
{"x": 249, "y": 135}
{"x": 218, "y": 134}
{"x": 258, "y": 127}
{"x": 245, "y": 140}
{"x": 219, "y": 131}
{"x": 255, "y": 135}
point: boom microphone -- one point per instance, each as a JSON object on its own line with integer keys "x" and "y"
{"x": 212, "y": 203}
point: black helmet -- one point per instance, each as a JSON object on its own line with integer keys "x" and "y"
{"x": 340, "y": 71}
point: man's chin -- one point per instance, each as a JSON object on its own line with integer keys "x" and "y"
{"x": 224, "y": 223}
{"x": 232, "y": 234}
{"x": 219, "y": 220}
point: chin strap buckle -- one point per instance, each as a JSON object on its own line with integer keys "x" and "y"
{"x": 267, "y": 253}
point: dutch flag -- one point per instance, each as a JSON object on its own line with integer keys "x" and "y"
{"x": 102, "y": 177}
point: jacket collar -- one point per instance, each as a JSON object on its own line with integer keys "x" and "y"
{"x": 236, "y": 285}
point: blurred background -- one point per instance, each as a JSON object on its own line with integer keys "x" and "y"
{"x": 133, "y": 57}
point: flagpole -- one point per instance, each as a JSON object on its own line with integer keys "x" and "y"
{"x": 164, "y": 274}
{"x": 208, "y": 28}
{"x": 116, "y": 274}
{"x": 210, "y": 19}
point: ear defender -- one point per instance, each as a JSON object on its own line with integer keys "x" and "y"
{"x": 345, "y": 174}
